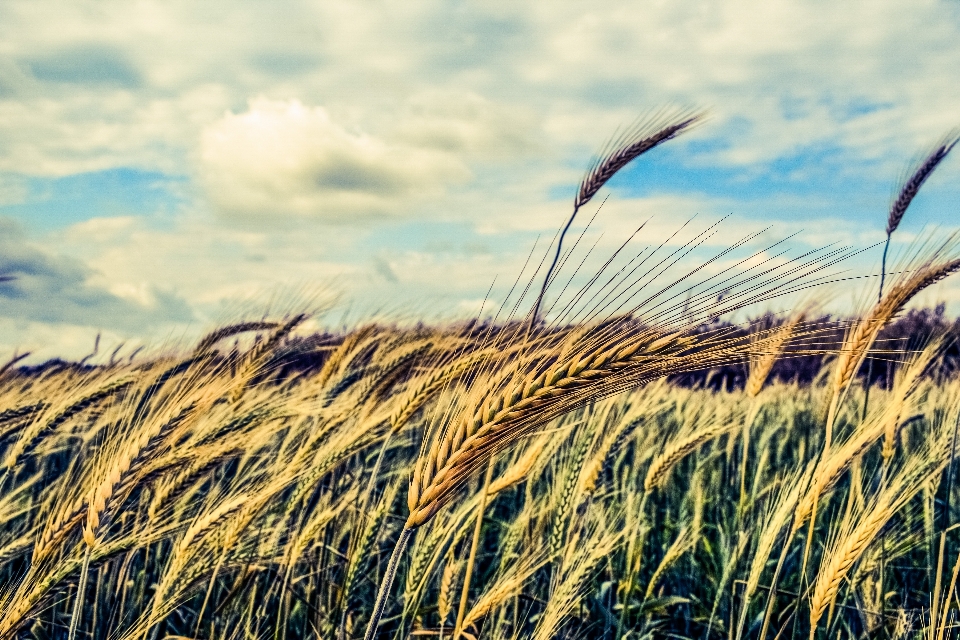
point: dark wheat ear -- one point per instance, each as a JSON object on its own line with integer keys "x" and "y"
{"x": 647, "y": 133}
{"x": 921, "y": 172}
{"x": 637, "y": 140}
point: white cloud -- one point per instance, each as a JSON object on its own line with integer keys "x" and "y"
{"x": 285, "y": 158}
{"x": 406, "y": 117}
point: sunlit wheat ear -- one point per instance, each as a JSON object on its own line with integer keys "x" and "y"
{"x": 597, "y": 544}
{"x": 855, "y": 535}
{"x": 510, "y": 413}
{"x": 772, "y": 524}
{"x": 11, "y": 420}
{"x": 143, "y": 448}
{"x": 602, "y": 462}
{"x": 505, "y": 416}
{"x": 254, "y": 359}
{"x": 684, "y": 542}
{"x": 761, "y": 364}
{"x": 905, "y": 386}
{"x": 632, "y": 143}
{"x": 343, "y": 353}
{"x": 48, "y": 425}
{"x": 507, "y": 586}
{"x": 518, "y": 471}
{"x": 836, "y": 461}
{"x": 425, "y": 387}
{"x": 564, "y": 500}
{"x": 679, "y": 448}
{"x": 863, "y": 334}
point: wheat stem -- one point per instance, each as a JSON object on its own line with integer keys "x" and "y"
{"x": 387, "y": 582}
{"x": 474, "y": 544}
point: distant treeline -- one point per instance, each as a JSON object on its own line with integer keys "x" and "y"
{"x": 895, "y": 345}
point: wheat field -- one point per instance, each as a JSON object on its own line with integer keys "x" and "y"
{"x": 544, "y": 474}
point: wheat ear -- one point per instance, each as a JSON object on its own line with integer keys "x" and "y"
{"x": 760, "y": 367}
{"x": 32, "y": 435}
{"x": 909, "y": 189}
{"x": 506, "y": 587}
{"x": 919, "y": 175}
{"x": 342, "y": 353}
{"x": 564, "y": 502}
{"x": 426, "y": 386}
{"x": 510, "y": 412}
{"x": 507, "y": 416}
{"x": 679, "y": 449}
{"x": 222, "y": 333}
{"x": 773, "y": 523}
{"x": 864, "y": 333}
{"x": 685, "y": 540}
{"x": 15, "y": 417}
{"x": 833, "y": 463}
{"x": 906, "y": 386}
{"x": 447, "y": 585}
{"x": 856, "y": 536}
{"x": 254, "y": 359}
{"x": 519, "y": 469}
{"x": 647, "y": 134}
{"x": 140, "y": 450}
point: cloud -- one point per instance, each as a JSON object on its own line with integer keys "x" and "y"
{"x": 453, "y": 134}
{"x": 468, "y": 124}
{"x": 285, "y": 158}
{"x": 58, "y": 290}
{"x": 93, "y": 65}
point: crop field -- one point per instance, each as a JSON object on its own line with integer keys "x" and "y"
{"x": 563, "y": 472}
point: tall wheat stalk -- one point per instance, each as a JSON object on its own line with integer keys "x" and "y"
{"x": 648, "y": 133}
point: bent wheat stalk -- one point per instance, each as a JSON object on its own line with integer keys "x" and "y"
{"x": 552, "y": 387}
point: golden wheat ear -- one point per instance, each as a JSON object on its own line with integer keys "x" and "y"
{"x": 863, "y": 334}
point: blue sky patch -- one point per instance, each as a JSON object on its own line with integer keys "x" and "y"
{"x": 53, "y": 203}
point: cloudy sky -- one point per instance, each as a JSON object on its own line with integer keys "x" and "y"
{"x": 168, "y": 165}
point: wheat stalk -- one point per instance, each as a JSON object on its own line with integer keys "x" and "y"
{"x": 642, "y": 137}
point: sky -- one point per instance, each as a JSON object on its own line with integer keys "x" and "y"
{"x": 168, "y": 166}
